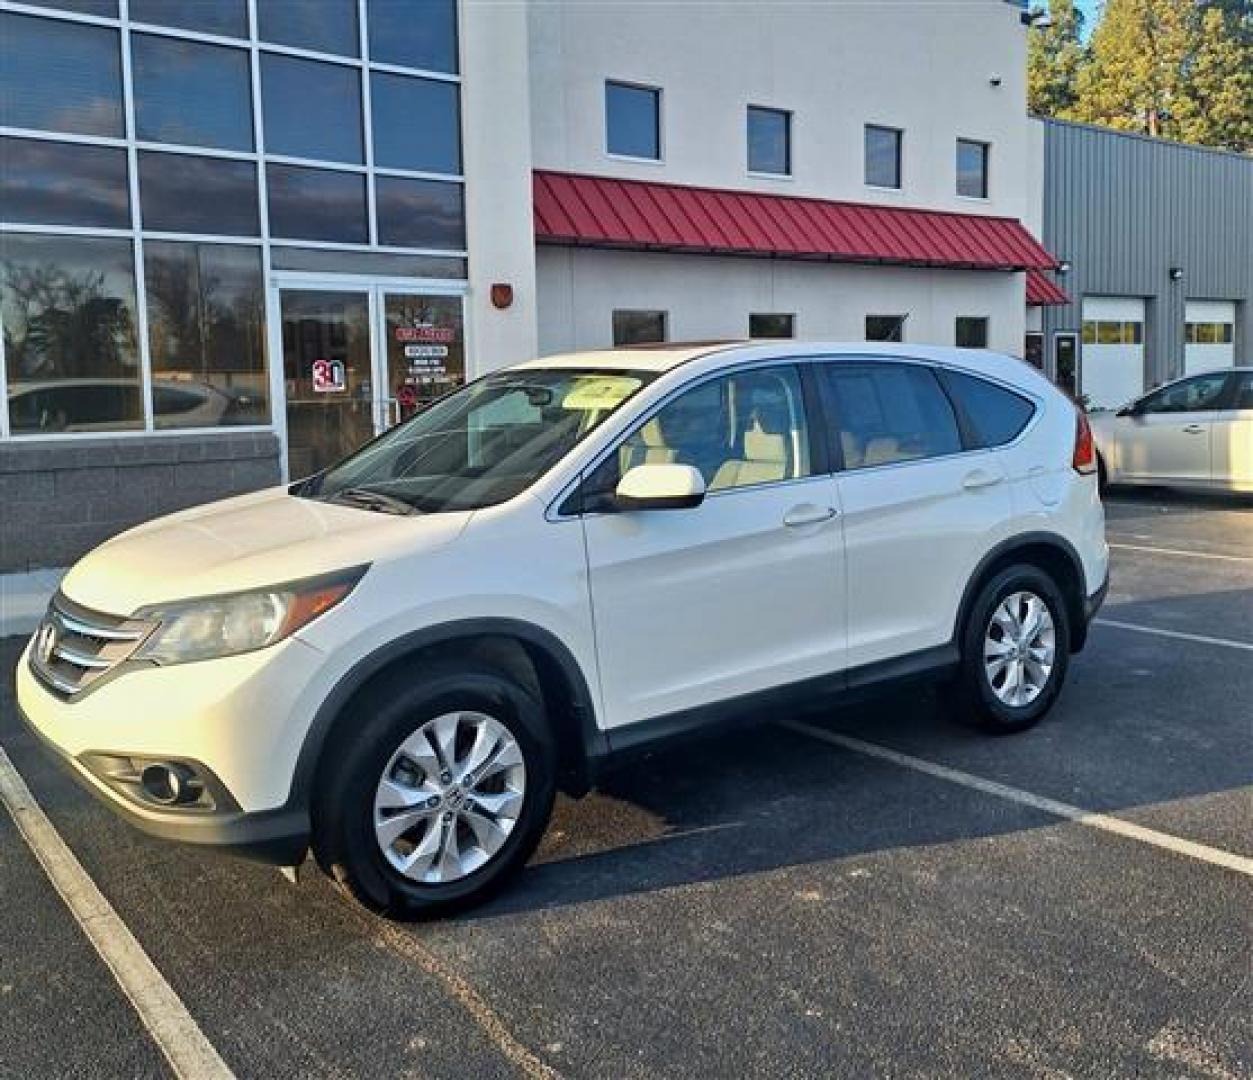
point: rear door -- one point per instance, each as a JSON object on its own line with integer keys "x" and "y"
{"x": 1168, "y": 437}
{"x": 740, "y": 594}
{"x": 919, "y": 510}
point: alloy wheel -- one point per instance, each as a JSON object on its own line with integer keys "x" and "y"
{"x": 449, "y": 797}
{"x": 1019, "y": 649}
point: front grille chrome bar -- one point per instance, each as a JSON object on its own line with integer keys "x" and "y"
{"x": 74, "y": 647}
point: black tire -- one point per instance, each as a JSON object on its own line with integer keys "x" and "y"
{"x": 976, "y": 700}
{"x": 344, "y": 841}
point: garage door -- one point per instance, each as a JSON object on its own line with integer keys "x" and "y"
{"x": 1111, "y": 364}
{"x": 1209, "y": 335}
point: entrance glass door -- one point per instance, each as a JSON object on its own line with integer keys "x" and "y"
{"x": 357, "y": 360}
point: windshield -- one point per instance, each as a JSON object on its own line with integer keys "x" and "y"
{"x": 480, "y": 446}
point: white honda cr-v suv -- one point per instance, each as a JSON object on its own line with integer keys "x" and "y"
{"x": 398, "y": 661}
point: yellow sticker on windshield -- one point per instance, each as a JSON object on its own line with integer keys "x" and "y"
{"x": 600, "y": 392}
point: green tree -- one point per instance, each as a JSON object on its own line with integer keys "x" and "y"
{"x": 1179, "y": 69}
{"x": 1055, "y": 56}
{"x": 1216, "y": 106}
{"x": 1139, "y": 55}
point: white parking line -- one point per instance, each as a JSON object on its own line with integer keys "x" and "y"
{"x": 1183, "y": 554}
{"x": 1203, "y": 639}
{"x": 177, "y": 1035}
{"x": 1215, "y": 856}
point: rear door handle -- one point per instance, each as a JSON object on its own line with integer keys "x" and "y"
{"x": 981, "y": 478}
{"x": 1195, "y": 429}
{"x": 808, "y": 514}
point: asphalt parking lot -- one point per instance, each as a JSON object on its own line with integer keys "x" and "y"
{"x": 851, "y": 896}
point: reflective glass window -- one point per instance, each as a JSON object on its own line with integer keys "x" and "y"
{"x": 972, "y": 169}
{"x": 321, "y": 25}
{"x": 883, "y": 156}
{"x": 72, "y": 358}
{"x": 769, "y": 141}
{"x": 639, "y": 327}
{"x": 316, "y": 204}
{"x": 633, "y": 121}
{"x": 311, "y": 109}
{"x": 420, "y": 213}
{"x": 60, "y": 76}
{"x": 51, "y": 183}
{"x": 971, "y": 332}
{"x": 181, "y": 193}
{"x": 414, "y": 33}
{"x": 226, "y": 17}
{"x": 206, "y": 334}
{"x": 190, "y": 93}
{"x": 401, "y": 108}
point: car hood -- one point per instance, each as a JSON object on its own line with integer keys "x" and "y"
{"x": 265, "y": 538}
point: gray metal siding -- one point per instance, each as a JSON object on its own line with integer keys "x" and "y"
{"x": 1123, "y": 209}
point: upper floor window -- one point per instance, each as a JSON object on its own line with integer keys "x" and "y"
{"x": 883, "y": 156}
{"x": 633, "y": 121}
{"x": 971, "y": 332}
{"x": 763, "y": 324}
{"x": 639, "y": 327}
{"x": 769, "y": 141}
{"x": 972, "y": 169}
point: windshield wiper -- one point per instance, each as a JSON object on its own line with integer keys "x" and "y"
{"x": 369, "y": 499}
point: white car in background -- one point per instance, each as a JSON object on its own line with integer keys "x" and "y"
{"x": 398, "y": 661}
{"x": 1196, "y": 432}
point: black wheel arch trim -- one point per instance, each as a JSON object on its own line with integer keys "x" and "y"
{"x": 594, "y": 745}
{"x": 1078, "y": 606}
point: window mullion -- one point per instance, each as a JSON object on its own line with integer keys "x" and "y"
{"x": 137, "y": 247}
{"x": 367, "y": 128}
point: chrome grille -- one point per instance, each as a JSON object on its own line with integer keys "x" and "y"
{"x": 74, "y": 647}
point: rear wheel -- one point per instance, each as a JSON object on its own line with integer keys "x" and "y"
{"x": 439, "y": 796}
{"x": 1015, "y": 650}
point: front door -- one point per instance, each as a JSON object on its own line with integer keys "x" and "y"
{"x": 1168, "y": 437}
{"x": 741, "y": 594}
{"x": 358, "y": 359}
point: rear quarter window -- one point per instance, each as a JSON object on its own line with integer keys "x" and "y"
{"x": 995, "y": 415}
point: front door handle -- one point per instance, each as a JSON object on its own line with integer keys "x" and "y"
{"x": 808, "y": 514}
{"x": 981, "y": 478}
{"x": 1195, "y": 429}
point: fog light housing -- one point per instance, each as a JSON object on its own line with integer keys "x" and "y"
{"x": 160, "y": 783}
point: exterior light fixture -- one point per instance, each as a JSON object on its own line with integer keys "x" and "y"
{"x": 1063, "y": 267}
{"x": 1176, "y": 273}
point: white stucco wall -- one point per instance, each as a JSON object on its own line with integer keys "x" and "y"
{"x": 712, "y": 296}
{"x": 924, "y": 67}
{"x": 496, "y": 133}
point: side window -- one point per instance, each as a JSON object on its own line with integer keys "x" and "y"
{"x": 1244, "y": 391}
{"x": 889, "y": 413}
{"x": 738, "y": 431}
{"x": 1191, "y": 395}
{"x": 997, "y": 415}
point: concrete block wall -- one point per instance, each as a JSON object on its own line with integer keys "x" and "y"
{"x": 59, "y": 499}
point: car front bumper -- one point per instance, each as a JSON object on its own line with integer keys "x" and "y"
{"x": 237, "y": 724}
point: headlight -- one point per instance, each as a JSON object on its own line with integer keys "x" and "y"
{"x": 216, "y": 626}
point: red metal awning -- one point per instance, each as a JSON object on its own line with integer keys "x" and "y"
{"x": 599, "y": 211}
{"x": 1043, "y": 291}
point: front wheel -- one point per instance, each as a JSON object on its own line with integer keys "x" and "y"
{"x": 439, "y": 795}
{"x": 1015, "y": 649}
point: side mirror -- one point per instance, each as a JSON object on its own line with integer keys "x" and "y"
{"x": 661, "y": 487}
{"x": 1134, "y": 409}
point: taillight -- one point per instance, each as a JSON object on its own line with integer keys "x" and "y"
{"x": 1084, "y": 459}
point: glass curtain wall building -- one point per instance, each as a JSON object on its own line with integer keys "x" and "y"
{"x": 229, "y": 216}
